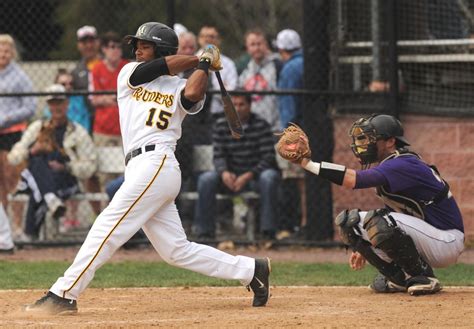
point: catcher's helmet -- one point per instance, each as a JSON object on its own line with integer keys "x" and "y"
{"x": 164, "y": 38}
{"x": 366, "y": 131}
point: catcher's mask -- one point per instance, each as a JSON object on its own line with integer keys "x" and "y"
{"x": 365, "y": 133}
{"x": 162, "y": 36}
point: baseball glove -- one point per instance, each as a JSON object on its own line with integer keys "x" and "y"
{"x": 293, "y": 144}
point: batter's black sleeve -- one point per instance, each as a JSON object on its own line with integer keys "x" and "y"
{"x": 149, "y": 71}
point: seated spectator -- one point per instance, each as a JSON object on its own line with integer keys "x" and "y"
{"x": 195, "y": 131}
{"x": 247, "y": 163}
{"x": 113, "y": 186}
{"x": 77, "y": 110}
{"x": 56, "y": 153}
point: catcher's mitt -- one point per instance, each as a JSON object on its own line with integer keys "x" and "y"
{"x": 293, "y": 144}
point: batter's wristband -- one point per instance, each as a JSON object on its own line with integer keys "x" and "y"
{"x": 204, "y": 64}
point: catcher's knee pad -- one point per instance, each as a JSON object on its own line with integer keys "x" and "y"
{"x": 379, "y": 227}
{"x": 385, "y": 235}
{"x": 347, "y": 221}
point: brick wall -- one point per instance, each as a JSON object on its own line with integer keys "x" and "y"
{"x": 446, "y": 142}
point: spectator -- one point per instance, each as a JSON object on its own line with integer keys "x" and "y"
{"x": 14, "y": 112}
{"x": 241, "y": 164}
{"x": 195, "y": 131}
{"x": 57, "y": 152}
{"x": 261, "y": 73}
{"x": 77, "y": 110}
{"x": 288, "y": 43}
{"x": 291, "y": 76}
{"x": 106, "y": 128}
{"x": 210, "y": 35}
{"x": 179, "y": 29}
{"x": 88, "y": 45}
{"x": 187, "y": 45}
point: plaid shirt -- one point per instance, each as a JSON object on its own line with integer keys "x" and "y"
{"x": 253, "y": 152}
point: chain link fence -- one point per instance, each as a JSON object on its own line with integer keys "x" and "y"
{"x": 361, "y": 56}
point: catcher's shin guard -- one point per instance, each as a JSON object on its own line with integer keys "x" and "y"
{"x": 347, "y": 222}
{"x": 385, "y": 235}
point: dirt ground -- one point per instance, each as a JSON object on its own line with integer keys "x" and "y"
{"x": 289, "y": 307}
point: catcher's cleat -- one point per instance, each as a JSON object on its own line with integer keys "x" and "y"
{"x": 382, "y": 285}
{"x": 423, "y": 285}
{"x": 52, "y": 304}
{"x": 260, "y": 283}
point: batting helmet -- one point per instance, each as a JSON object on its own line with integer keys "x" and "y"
{"x": 164, "y": 38}
{"x": 365, "y": 133}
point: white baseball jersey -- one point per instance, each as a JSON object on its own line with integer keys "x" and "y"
{"x": 151, "y": 113}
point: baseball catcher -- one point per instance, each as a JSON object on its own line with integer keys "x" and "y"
{"x": 421, "y": 226}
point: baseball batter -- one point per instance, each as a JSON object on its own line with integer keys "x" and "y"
{"x": 420, "y": 227}
{"x": 153, "y": 102}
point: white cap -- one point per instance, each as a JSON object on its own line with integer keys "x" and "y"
{"x": 179, "y": 28}
{"x": 85, "y": 32}
{"x": 56, "y": 88}
{"x": 288, "y": 40}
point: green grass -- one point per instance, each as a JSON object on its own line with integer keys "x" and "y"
{"x": 41, "y": 275}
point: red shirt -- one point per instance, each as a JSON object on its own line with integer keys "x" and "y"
{"x": 106, "y": 119}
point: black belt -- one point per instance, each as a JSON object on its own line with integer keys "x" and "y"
{"x": 136, "y": 152}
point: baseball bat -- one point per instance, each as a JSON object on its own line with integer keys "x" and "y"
{"x": 231, "y": 115}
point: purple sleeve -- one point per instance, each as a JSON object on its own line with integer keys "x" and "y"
{"x": 369, "y": 178}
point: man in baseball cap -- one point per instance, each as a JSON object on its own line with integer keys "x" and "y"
{"x": 88, "y": 45}
{"x": 55, "y": 89}
{"x": 288, "y": 40}
{"x": 85, "y": 32}
{"x": 290, "y": 108}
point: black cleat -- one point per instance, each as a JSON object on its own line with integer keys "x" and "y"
{"x": 382, "y": 285}
{"x": 423, "y": 285}
{"x": 53, "y": 305}
{"x": 260, "y": 283}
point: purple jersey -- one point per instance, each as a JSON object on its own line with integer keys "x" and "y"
{"x": 406, "y": 176}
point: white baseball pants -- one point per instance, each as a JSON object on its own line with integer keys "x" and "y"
{"x": 437, "y": 247}
{"x": 146, "y": 200}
